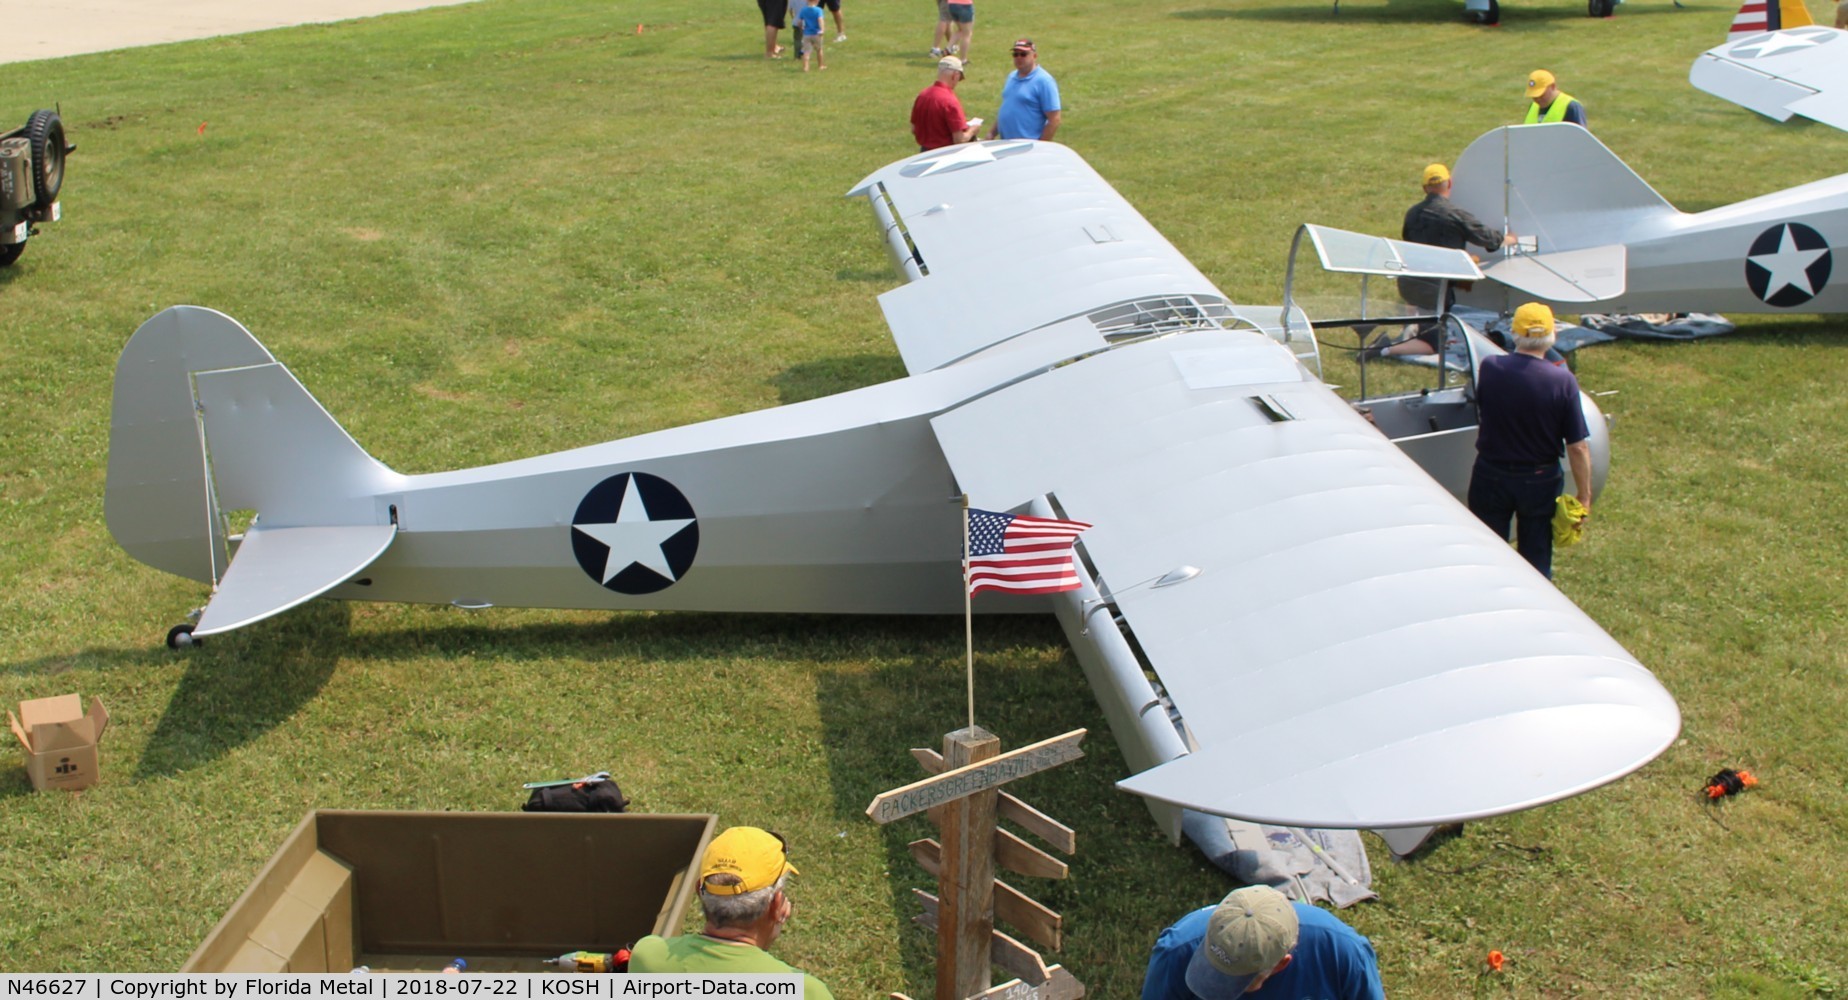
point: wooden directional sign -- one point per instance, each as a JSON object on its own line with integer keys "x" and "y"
{"x": 965, "y": 802}
{"x": 978, "y": 777}
{"x": 1063, "y": 838}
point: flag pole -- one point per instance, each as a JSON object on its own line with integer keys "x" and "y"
{"x": 968, "y": 613}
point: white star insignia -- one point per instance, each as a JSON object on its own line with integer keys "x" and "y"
{"x": 1788, "y": 265}
{"x": 633, "y": 538}
{"x": 967, "y": 154}
{"x": 1775, "y": 42}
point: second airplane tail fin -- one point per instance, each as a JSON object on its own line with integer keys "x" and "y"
{"x": 1756, "y": 16}
{"x": 1556, "y": 184}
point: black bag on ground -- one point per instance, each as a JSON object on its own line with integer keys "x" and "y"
{"x": 577, "y": 797}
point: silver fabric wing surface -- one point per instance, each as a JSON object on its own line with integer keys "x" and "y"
{"x": 1357, "y": 650}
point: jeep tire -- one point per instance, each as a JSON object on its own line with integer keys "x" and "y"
{"x": 45, "y": 131}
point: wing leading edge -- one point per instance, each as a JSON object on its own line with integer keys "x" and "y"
{"x": 1357, "y": 650}
{"x": 1027, "y": 230}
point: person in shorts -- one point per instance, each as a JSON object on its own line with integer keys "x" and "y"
{"x": 940, "y": 41}
{"x": 840, "y": 26}
{"x": 773, "y": 23}
{"x": 810, "y": 20}
{"x": 962, "y": 27}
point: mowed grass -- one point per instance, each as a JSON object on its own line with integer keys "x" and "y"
{"x": 484, "y": 232}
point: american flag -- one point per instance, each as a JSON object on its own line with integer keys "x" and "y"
{"x": 1021, "y": 554}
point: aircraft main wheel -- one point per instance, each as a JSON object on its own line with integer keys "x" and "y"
{"x": 9, "y": 252}
{"x": 1490, "y": 16}
{"x": 1601, "y": 8}
{"x": 181, "y": 637}
{"x": 45, "y": 131}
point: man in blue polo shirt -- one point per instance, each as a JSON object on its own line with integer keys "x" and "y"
{"x": 1529, "y": 409}
{"x": 1029, "y": 99}
{"x": 1258, "y": 943}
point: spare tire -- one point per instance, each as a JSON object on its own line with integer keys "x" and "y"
{"x": 45, "y": 131}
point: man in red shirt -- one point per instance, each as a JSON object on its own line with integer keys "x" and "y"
{"x": 937, "y": 115}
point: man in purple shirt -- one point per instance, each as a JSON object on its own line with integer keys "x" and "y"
{"x": 1530, "y": 412}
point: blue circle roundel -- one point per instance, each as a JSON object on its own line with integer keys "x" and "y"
{"x": 635, "y": 533}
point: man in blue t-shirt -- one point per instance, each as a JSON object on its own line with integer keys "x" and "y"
{"x": 1529, "y": 408}
{"x": 1258, "y": 943}
{"x": 1029, "y": 99}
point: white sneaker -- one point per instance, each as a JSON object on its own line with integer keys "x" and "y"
{"x": 841, "y": 37}
{"x": 935, "y": 51}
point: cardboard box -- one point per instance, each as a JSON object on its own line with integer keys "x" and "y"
{"x": 60, "y": 740}
{"x": 408, "y": 891}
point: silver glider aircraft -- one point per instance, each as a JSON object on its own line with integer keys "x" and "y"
{"x": 1596, "y": 237}
{"x": 1341, "y": 644}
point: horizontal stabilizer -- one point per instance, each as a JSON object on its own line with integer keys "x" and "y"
{"x": 1590, "y": 275}
{"x": 1797, "y": 71}
{"x": 276, "y": 569}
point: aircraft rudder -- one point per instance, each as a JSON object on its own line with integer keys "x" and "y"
{"x": 1555, "y": 182}
{"x": 175, "y": 469}
{"x": 158, "y": 502}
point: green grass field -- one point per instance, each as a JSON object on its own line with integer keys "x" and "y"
{"x": 488, "y": 231}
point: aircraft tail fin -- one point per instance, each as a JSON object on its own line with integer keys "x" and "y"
{"x": 1553, "y": 183}
{"x": 1756, "y": 16}
{"x": 206, "y": 422}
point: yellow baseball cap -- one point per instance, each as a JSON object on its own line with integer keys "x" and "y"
{"x": 1436, "y": 173}
{"x": 1534, "y": 319}
{"x": 1538, "y": 81}
{"x": 744, "y": 859}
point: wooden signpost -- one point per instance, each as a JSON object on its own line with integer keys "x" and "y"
{"x": 964, "y": 799}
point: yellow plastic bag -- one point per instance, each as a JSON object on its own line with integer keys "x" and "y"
{"x": 1569, "y": 520}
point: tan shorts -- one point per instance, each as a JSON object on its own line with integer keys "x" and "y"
{"x": 811, "y": 44}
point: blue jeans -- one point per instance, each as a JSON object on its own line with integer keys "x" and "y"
{"x": 1526, "y": 495}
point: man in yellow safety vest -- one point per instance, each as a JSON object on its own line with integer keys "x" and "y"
{"x": 1548, "y": 104}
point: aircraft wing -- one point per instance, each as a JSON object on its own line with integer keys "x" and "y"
{"x": 1002, "y": 238}
{"x": 1797, "y": 71}
{"x": 1357, "y": 650}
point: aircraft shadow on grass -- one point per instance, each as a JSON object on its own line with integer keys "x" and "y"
{"x": 828, "y": 376}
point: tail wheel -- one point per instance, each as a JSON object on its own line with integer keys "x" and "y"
{"x": 181, "y": 637}
{"x": 9, "y": 252}
{"x": 45, "y": 131}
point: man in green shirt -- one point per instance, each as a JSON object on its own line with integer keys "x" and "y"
{"x": 741, "y": 892}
